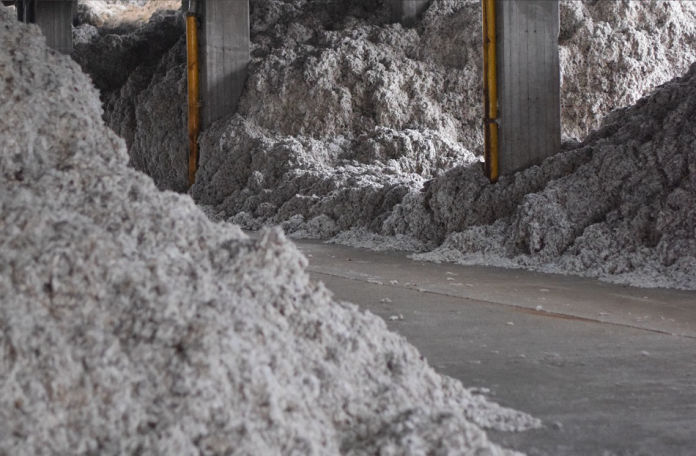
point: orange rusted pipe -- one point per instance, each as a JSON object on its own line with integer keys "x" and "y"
{"x": 490, "y": 89}
{"x": 193, "y": 94}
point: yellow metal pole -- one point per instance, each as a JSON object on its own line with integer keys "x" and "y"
{"x": 490, "y": 89}
{"x": 193, "y": 107}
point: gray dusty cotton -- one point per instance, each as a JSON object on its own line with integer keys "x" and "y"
{"x": 358, "y": 130}
{"x": 621, "y": 206}
{"x": 130, "y": 323}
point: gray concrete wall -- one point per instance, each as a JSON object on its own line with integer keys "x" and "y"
{"x": 224, "y": 56}
{"x": 54, "y": 17}
{"x": 528, "y": 82}
{"x": 406, "y": 11}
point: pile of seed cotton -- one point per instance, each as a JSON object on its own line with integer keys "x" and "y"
{"x": 131, "y": 323}
{"x": 119, "y": 14}
{"x": 621, "y": 206}
{"x": 356, "y": 129}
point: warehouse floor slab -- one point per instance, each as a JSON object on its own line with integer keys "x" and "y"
{"x": 611, "y": 370}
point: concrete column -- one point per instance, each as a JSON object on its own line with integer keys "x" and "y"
{"x": 224, "y": 56}
{"x": 54, "y": 18}
{"x": 528, "y": 82}
{"x": 407, "y": 11}
{"x": 25, "y": 10}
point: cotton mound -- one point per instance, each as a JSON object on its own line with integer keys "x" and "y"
{"x": 347, "y": 114}
{"x": 615, "y": 52}
{"x": 325, "y": 70}
{"x": 344, "y": 113}
{"x": 120, "y": 13}
{"x": 608, "y": 225}
{"x": 366, "y": 132}
{"x": 620, "y": 206}
{"x": 130, "y": 323}
{"x": 140, "y": 75}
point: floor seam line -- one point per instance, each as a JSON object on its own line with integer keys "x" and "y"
{"x": 511, "y": 306}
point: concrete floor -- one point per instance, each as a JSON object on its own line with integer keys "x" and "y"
{"x": 611, "y": 370}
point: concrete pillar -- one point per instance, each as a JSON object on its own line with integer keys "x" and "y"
{"x": 54, "y": 18}
{"x": 407, "y": 11}
{"x": 25, "y": 10}
{"x": 528, "y": 82}
{"x": 224, "y": 56}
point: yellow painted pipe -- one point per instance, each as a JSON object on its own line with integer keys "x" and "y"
{"x": 490, "y": 89}
{"x": 193, "y": 93}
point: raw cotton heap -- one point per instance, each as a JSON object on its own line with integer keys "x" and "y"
{"x": 620, "y": 206}
{"x": 141, "y": 77}
{"x": 624, "y": 216}
{"x": 614, "y": 52}
{"x": 343, "y": 115}
{"x": 130, "y": 323}
{"x": 348, "y": 123}
{"x": 120, "y": 13}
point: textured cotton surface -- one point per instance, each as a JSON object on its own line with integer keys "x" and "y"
{"x": 621, "y": 206}
{"x": 331, "y": 70}
{"x": 358, "y": 130}
{"x": 140, "y": 74}
{"x": 121, "y": 14}
{"x": 130, "y": 323}
{"x": 614, "y": 52}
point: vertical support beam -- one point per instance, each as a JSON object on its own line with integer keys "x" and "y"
{"x": 407, "y": 11}
{"x": 224, "y": 57}
{"x": 25, "y": 11}
{"x": 54, "y": 18}
{"x": 529, "y": 108}
{"x": 490, "y": 89}
{"x": 192, "y": 73}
